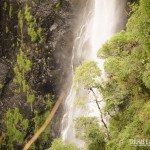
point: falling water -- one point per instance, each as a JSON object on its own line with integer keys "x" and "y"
{"x": 101, "y": 19}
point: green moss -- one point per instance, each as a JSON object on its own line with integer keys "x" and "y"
{"x": 33, "y": 2}
{"x": 48, "y": 101}
{"x": 5, "y": 6}
{"x": 10, "y": 11}
{"x": 58, "y": 5}
{"x": 30, "y": 99}
{"x": 39, "y": 33}
{"x": 38, "y": 121}
{"x": 28, "y": 16}
{"x": 59, "y": 145}
{"x": 7, "y": 30}
{"x": 146, "y": 76}
{"x": 20, "y": 20}
{"x": 17, "y": 90}
{"x": 126, "y": 91}
{"x": 1, "y": 86}
{"x": 16, "y": 128}
{"x": 86, "y": 74}
{"x": 22, "y": 67}
{"x": 33, "y": 34}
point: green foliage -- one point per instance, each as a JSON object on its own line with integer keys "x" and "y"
{"x": 35, "y": 34}
{"x": 57, "y": 144}
{"x": 119, "y": 45}
{"x": 39, "y": 33}
{"x": 87, "y": 129}
{"x": 1, "y": 86}
{"x": 126, "y": 90}
{"x": 124, "y": 68}
{"x": 5, "y": 6}
{"x": 20, "y": 20}
{"x": 144, "y": 115}
{"x": 22, "y": 67}
{"x": 31, "y": 22}
{"x": 86, "y": 74}
{"x": 139, "y": 24}
{"x": 58, "y": 5}
{"x": 33, "y": 2}
{"x": 48, "y": 101}
{"x": 16, "y": 128}
{"x": 129, "y": 124}
{"x": 30, "y": 99}
{"x": 38, "y": 121}
{"x": 28, "y": 16}
{"x": 79, "y": 101}
{"x": 146, "y": 76}
{"x": 32, "y": 34}
{"x": 7, "y": 30}
{"x": 23, "y": 62}
{"x": 10, "y": 11}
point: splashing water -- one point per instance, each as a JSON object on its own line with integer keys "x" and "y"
{"x": 99, "y": 24}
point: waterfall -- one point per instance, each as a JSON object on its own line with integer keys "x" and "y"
{"x": 101, "y": 19}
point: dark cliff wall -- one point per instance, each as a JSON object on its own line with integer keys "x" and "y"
{"x": 39, "y": 33}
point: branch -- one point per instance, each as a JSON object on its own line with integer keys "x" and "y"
{"x": 101, "y": 114}
{"x": 95, "y": 101}
{"x": 109, "y": 114}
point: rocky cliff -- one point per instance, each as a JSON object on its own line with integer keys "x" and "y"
{"x": 36, "y": 39}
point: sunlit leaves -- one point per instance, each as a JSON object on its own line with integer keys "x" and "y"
{"x": 126, "y": 91}
{"x": 139, "y": 24}
{"x": 86, "y": 74}
{"x": 88, "y": 129}
{"x": 16, "y": 128}
{"x": 119, "y": 45}
{"x": 22, "y": 67}
{"x": 146, "y": 76}
{"x": 20, "y": 20}
{"x": 57, "y": 144}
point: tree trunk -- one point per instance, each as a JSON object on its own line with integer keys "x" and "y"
{"x": 101, "y": 113}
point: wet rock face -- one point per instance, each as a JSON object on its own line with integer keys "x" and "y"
{"x": 3, "y": 73}
{"x": 59, "y": 42}
{"x": 8, "y": 30}
{"x": 50, "y": 66}
{"x": 57, "y": 49}
{"x": 55, "y": 19}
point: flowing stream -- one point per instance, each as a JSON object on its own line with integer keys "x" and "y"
{"x": 101, "y": 19}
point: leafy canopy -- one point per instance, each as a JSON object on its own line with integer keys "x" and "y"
{"x": 86, "y": 74}
{"x": 57, "y": 144}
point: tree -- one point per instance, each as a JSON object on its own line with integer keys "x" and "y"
{"x": 16, "y": 128}
{"x": 57, "y": 144}
{"x": 87, "y": 75}
{"x": 87, "y": 128}
{"x": 126, "y": 91}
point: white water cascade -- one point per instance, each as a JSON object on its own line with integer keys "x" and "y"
{"x": 101, "y": 19}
